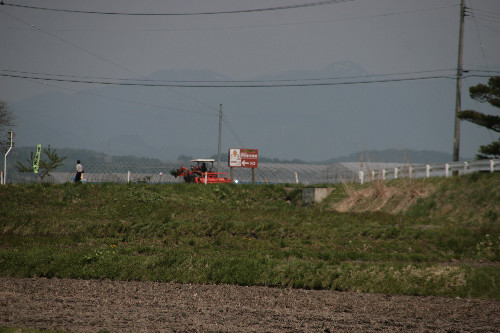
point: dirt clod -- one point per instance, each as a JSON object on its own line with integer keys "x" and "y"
{"x": 119, "y": 306}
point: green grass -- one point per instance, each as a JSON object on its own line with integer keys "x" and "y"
{"x": 254, "y": 235}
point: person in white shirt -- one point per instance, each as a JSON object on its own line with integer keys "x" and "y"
{"x": 79, "y": 172}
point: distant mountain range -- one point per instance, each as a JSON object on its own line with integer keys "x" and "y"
{"x": 295, "y": 123}
{"x": 396, "y": 156}
{"x": 386, "y": 156}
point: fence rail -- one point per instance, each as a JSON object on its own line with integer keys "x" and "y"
{"x": 266, "y": 173}
{"x": 430, "y": 170}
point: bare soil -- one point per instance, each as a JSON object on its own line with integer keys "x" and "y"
{"x": 121, "y": 306}
{"x": 379, "y": 197}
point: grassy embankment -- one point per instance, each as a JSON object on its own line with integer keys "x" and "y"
{"x": 421, "y": 237}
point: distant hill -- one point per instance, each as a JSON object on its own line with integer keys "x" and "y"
{"x": 23, "y": 154}
{"x": 395, "y": 156}
{"x": 86, "y": 155}
{"x": 306, "y": 123}
{"x": 381, "y": 156}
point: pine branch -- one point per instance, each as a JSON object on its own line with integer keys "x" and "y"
{"x": 489, "y": 121}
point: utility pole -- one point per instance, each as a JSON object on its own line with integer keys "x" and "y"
{"x": 458, "y": 100}
{"x": 220, "y": 137}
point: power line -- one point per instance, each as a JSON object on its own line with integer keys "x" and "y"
{"x": 485, "y": 71}
{"x": 264, "y": 25}
{"x": 121, "y": 99}
{"x": 488, "y": 27}
{"x": 481, "y": 45}
{"x": 486, "y": 13}
{"x": 237, "y": 83}
{"x": 231, "y": 129}
{"x": 478, "y": 14}
{"x": 487, "y": 19}
{"x": 311, "y": 4}
{"x": 271, "y": 85}
{"x": 225, "y": 119}
{"x": 48, "y": 75}
{"x": 99, "y": 57}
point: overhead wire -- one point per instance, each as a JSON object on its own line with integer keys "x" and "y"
{"x": 494, "y": 18}
{"x": 179, "y": 85}
{"x": 305, "y": 5}
{"x": 16, "y": 72}
{"x": 37, "y": 81}
{"x": 485, "y": 18}
{"x": 487, "y": 13}
{"x": 481, "y": 45}
{"x": 256, "y": 85}
{"x": 479, "y": 14}
{"x": 225, "y": 119}
{"x": 226, "y": 122}
{"x": 473, "y": 13}
{"x": 487, "y": 71}
{"x": 488, "y": 27}
{"x": 317, "y": 3}
{"x": 490, "y": 20}
{"x": 267, "y": 25}
{"x": 98, "y": 56}
{"x": 274, "y": 83}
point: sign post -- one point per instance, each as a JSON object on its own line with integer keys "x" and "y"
{"x": 244, "y": 158}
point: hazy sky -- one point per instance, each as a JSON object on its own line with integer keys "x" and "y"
{"x": 382, "y": 36}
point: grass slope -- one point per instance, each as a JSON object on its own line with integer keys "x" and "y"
{"x": 445, "y": 242}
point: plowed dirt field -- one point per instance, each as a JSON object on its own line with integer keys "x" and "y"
{"x": 117, "y": 306}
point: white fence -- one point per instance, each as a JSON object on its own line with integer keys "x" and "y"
{"x": 430, "y": 170}
{"x": 267, "y": 173}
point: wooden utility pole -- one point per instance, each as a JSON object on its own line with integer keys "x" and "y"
{"x": 458, "y": 100}
{"x": 220, "y": 137}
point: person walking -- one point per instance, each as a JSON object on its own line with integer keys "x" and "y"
{"x": 79, "y": 172}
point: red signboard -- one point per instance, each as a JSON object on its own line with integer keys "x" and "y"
{"x": 243, "y": 158}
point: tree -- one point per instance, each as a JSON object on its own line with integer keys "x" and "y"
{"x": 45, "y": 166}
{"x": 6, "y": 122}
{"x": 485, "y": 93}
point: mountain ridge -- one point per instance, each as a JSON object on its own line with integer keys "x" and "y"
{"x": 307, "y": 123}
{"x": 381, "y": 156}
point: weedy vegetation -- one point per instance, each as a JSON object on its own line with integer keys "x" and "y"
{"x": 436, "y": 236}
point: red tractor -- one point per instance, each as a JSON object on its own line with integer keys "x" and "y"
{"x": 201, "y": 173}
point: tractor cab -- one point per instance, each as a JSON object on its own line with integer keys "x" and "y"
{"x": 202, "y": 164}
{"x": 202, "y": 172}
